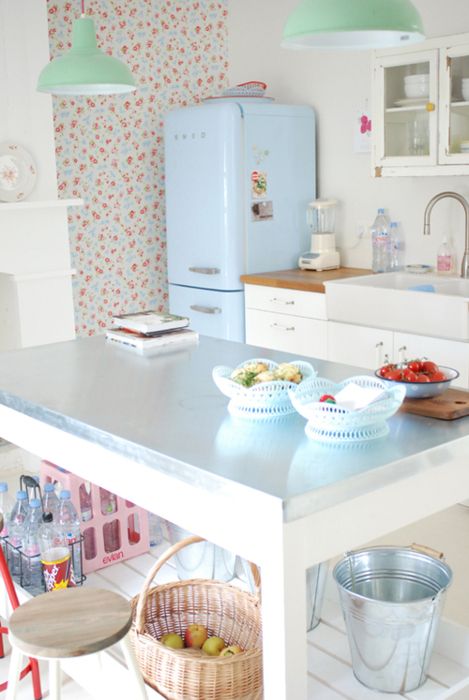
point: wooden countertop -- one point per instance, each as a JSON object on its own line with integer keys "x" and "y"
{"x": 304, "y": 280}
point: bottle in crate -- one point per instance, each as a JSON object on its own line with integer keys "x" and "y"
{"x": 55, "y": 554}
{"x": 70, "y": 522}
{"x": 111, "y": 528}
{"x": 5, "y": 510}
{"x": 31, "y": 562}
{"x": 86, "y": 502}
{"x": 50, "y": 500}
{"x": 16, "y": 529}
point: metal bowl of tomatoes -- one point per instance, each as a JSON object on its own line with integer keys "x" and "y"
{"x": 423, "y": 379}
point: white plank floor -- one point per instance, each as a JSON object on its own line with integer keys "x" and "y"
{"x": 330, "y": 674}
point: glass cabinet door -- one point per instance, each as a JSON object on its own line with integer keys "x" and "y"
{"x": 454, "y": 97}
{"x": 405, "y": 116}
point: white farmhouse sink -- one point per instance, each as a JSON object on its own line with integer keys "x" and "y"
{"x": 425, "y": 304}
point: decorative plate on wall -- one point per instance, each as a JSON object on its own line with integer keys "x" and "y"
{"x": 17, "y": 172}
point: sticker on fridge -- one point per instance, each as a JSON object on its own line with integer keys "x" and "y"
{"x": 262, "y": 211}
{"x": 258, "y": 183}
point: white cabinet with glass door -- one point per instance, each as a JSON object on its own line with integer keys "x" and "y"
{"x": 420, "y": 110}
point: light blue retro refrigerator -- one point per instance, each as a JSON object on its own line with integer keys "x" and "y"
{"x": 239, "y": 174}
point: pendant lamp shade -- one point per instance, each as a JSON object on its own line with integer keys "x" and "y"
{"x": 85, "y": 69}
{"x": 352, "y": 24}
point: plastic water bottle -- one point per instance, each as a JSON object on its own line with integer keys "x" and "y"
{"x": 111, "y": 529}
{"x": 5, "y": 509}
{"x": 32, "y": 568}
{"x": 86, "y": 503}
{"x": 155, "y": 532}
{"x": 70, "y": 522}
{"x": 55, "y": 553}
{"x": 381, "y": 243}
{"x": 397, "y": 247}
{"x": 16, "y": 529}
{"x": 50, "y": 500}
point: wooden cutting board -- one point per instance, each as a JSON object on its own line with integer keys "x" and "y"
{"x": 453, "y": 403}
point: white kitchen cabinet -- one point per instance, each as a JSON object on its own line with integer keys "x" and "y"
{"x": 449, "y": 353}
{"x": 421, "y": 135}
{"x": 36, "y": 293}
{"x": 360, "y": 346}
{"x": 370, "y": 348}
{"x": 286, "y": 319}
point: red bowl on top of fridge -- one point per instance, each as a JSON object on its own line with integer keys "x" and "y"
{"x": 422, "y": 378}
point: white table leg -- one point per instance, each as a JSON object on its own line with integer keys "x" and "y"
{"x": 132, "y": 665}
{"x": 14, "y": 673}
{"x": 55, "y": 679}
{"x": 284, "y": 618}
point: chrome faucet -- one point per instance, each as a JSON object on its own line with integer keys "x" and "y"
{"x": 426, "y": 224}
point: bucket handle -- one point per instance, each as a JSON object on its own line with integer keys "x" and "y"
{"x": 429, "y": 551}
{"x": 422, "y": 548}
{"x": 167, "y": 554}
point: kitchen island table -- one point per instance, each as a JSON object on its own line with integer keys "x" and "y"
{"x": 157, "y": 431}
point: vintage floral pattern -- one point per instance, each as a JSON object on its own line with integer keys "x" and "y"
{"x": 110, "y": 148}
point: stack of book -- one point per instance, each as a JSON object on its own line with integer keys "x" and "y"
{"x": 146, "y": 331}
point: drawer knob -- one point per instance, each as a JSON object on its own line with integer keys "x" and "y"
{"x": 275, "y": 300}
{"x": 282, "y": 328}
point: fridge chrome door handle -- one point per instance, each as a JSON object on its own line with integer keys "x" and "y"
{"x": 206, "y": 309}
{"x": 205, "y": 270}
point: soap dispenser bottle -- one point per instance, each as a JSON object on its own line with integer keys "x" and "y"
{"x": 445, "y": 260}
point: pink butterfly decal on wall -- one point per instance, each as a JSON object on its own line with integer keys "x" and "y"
{"x": 365, "y": 124}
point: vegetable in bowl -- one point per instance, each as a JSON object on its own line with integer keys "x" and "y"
{"x": 255, "y": 372}
{"x": 422, "y": 378}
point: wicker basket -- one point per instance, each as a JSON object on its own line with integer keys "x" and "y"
{"x": 226, "y": 611}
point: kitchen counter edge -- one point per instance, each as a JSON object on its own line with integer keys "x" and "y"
{"x": 303, "y": 280}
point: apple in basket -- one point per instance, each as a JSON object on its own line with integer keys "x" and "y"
{"x": 195, "y": 636}
{"x": 173, "y": 640}
{"x": 213, "y": 646}
{"x": 230, "y": 651}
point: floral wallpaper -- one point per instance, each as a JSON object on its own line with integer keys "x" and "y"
{"x": 110, "y": 149}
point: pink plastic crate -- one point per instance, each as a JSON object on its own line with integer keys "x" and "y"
{"x": 113, "y": 529}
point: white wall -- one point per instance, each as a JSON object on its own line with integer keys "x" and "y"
{"x": 25, "y": 114}
{"x": 337, "y": 85}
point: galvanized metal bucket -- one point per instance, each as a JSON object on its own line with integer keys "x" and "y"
{"x": 391, "y": 599}
{"x": 316, "y": 578}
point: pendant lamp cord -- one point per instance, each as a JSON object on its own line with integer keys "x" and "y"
{"x": 83, "y": 7}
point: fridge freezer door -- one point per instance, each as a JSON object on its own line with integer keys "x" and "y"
{"x": 279, "y": 181}
{"x": 204, "y": 216}
{"x": 213, "y": 313}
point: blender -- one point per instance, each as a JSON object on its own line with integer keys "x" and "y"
{"x": 320, "y": 216}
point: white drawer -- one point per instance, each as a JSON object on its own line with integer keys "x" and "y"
{"x": 288, "y": 301}
{"x": 301, "y": 336}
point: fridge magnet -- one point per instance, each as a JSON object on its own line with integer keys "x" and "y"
{"x": 262, "y": 211}
{"x": 258, "y": 183}
{"x": 259, "y": 154}
{"x": 362, "y": 132}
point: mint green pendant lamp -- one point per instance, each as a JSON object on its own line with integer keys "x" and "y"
{"x": 352, "y": 24}
{"x": 85, "y": 69}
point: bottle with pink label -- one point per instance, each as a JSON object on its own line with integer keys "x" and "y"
{"x": 446, "y": 260}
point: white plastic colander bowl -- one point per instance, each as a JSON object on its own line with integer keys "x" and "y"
{"x": 329, "y": 422}
{"x": 263, "y": 400}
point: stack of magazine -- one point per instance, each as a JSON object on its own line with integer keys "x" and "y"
{"x": 146, "y": 331}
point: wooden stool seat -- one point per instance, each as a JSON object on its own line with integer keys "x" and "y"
{"x": 70, "y": 622}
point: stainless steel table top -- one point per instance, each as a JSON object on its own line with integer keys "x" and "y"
{"x": 167, "y": 404}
